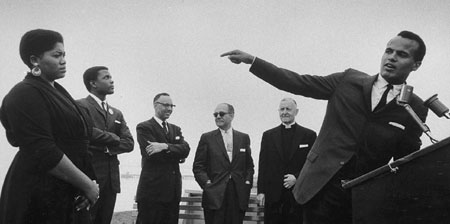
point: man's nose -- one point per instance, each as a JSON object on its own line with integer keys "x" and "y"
{"x": 392, "y": 57}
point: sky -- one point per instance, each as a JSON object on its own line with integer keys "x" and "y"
{"x": 173, "y": 46}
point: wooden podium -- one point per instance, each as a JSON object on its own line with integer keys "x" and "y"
{"x": 417, "y": 192}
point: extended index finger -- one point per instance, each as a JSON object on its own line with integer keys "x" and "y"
{"x": 229, "y": 53}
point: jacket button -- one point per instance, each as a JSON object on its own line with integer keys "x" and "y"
{"x": 342, "y": 163}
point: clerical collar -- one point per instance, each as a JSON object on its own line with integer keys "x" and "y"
{"x": 287, "y": 126}
{"x": 98, "y": 100}
{"x": 159, "y": 121}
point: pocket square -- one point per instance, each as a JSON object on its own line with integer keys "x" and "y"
{"x": 397, "y": 125}
{"x": 117, "y": 122}
{"x": 303, "y": 146}
{"x": 242, "y": 150}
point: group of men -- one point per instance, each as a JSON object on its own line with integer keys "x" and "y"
{"x": 299, "y": 178}
{"x": 223, "y": 165}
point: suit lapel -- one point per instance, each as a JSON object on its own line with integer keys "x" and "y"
{"x": 236, "y": 149}
{"x": 96, "y": 106}
{"x": 159, "y": 129}
{"x": 221, "y": 144}
{"x": 169, "y": 135}
{"x": 367, "y": 91}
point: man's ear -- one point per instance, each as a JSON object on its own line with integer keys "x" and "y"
{"x": 93, "y": 84}
{"x": 416, "y": 65}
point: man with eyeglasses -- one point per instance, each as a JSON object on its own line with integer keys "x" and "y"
{"x": 282, "y": 155}
{"x": 223, "y": 167}
{"x": 162, "y": 149}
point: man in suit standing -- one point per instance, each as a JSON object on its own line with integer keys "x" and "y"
{"x": 363, "y": 128}
{"x": 162, "y": 148}
{"x": 110, "y": 137}
{"x": 283, "y": 153}
{"x": 223, "y": 167}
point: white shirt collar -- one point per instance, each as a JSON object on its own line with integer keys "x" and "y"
{"x": 378, "y": 88}
{"x": 230, "y": 130}
{"x": 381, "y": 84}
{"x": 98, "y": 100}
{"x": 159, "y": 121}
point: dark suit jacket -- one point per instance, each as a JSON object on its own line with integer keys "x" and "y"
{"x": 160, "y": 179}
{"x": 110, "y": 133}
{"x": 211, "y": 163}
{"x": 273, "y": 164}
{"x": 350, "y": 129}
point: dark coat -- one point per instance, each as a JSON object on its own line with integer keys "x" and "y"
{"x": 45, "y": 123}
{"x": 350, "y": 128}
{"x": 160, "y": 179}
{"x": 212, "y": 163}
{"x": 273, "y": 164}
{"x": 110, "y": 133}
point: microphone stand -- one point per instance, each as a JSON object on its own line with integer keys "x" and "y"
{"x": 416, "y": 118}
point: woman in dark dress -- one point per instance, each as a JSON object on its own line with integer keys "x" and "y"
{"x": 50, "y": 178}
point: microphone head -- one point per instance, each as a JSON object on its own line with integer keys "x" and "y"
{"x": 405, "y": 94}
{"x": 436, "y": 105}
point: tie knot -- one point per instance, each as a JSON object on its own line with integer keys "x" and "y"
{"x": 164, "y": 123}
{"x": 389, "y": 86}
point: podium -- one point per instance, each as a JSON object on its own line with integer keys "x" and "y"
{"x": 413, "y": 189}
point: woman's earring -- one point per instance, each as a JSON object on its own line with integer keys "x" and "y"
{"x": 36, "y": 71}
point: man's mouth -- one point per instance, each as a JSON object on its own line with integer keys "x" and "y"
{"x": 389, "y": 66}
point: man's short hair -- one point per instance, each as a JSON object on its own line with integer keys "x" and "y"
{"x": 159, "y": 95}
{"x": 91, "y": 74}
{"x": 420, "y": 53}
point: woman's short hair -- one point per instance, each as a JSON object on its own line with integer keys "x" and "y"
{"x": 36, "y": 42}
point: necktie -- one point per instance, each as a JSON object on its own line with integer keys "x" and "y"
{"x": 166, "y": 130}
{"x": 383, "y": 99}
{"x": 103, "y": 106}
{"x": 229, "y": 145}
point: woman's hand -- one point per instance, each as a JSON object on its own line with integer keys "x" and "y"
{"x": 92, "y": 193}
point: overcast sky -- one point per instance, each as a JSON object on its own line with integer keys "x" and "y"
{"x": 174, "y": 46}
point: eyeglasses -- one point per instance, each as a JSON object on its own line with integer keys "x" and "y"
{"x": 221, "y": 114}
{"x": 166, "y": 104}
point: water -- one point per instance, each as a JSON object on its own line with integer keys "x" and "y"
{"x": 125, "y": 199}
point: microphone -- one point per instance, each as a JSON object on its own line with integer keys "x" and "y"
{"x": 437, "y": 106}
{"x": 405, "y": 94}
{"x": 403, "y": 99}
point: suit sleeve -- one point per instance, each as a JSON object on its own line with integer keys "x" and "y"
{"x": 99, "y": 138}
{"x": 249, "y": 162}
{"x": 200, "y": 165}
{"x": 262, "y": 164}
{"x": 126, "y": 143}
{"x": 102, "y": 137}
{"x": 318, "y": 87}
{"x": 144, "y": 135}
{"x": 180, "y": 149}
